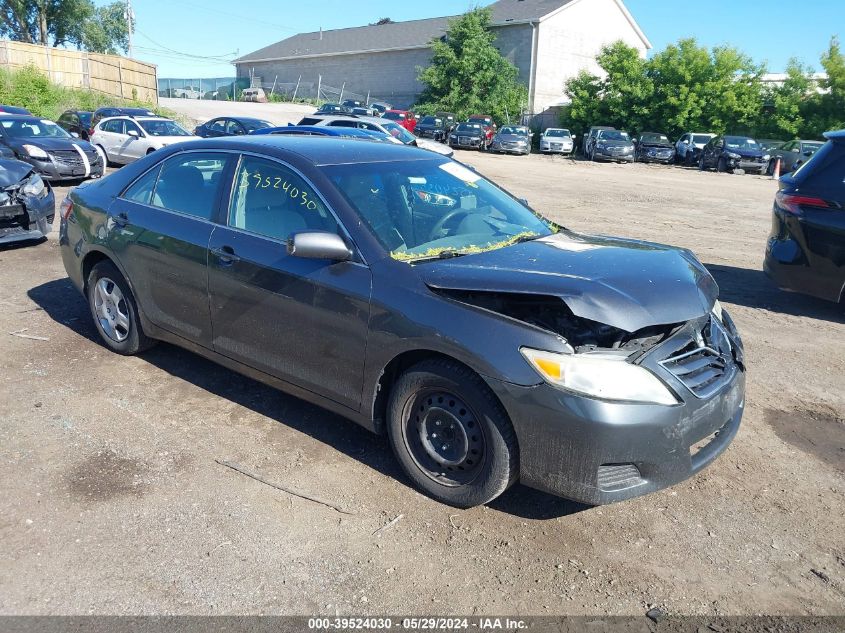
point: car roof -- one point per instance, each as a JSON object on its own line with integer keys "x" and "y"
{"x": 21, "y": 117}
{"x": 321, "y": 151}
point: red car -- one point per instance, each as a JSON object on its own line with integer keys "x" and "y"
{"x": 404, "y": 118}
{"x": 487, "y": 121}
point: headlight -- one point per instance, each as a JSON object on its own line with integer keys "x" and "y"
{"x": 34, "y": 187}
{"x": 35, "y": 152}
{"x": 717, "y": 310}
{"x": 606, "y": 377}
{"x": 453, "y": 136}
{"x": 733, "y": 155}
{"x": 766, "y": 157}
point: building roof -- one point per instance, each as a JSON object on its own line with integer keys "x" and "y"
{"x": 396, "y": 35}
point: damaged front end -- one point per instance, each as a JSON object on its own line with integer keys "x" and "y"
{"x": 27, "y": 203}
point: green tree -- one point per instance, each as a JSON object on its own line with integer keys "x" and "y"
{"x": 468, "y": 75}
{"x": 825, "y": 109}
{"x": 784, "y": 105}
{"x": 77, "y": 23}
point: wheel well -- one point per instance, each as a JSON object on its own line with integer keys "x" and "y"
{"x": 91, "y": 260}
{"x": 390, "y": 374}
{"x": 150, "y": 150}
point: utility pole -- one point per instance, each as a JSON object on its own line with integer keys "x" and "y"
{"x": 130, "y": 21}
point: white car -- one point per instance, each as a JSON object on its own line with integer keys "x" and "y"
{"x": 689, "y": 146}
{"x": 125, "y": 139}
{"x": 556, "y": 140}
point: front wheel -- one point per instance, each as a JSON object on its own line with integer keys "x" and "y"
{"x": 701, "y": 166}
{"x": 722, "y": 166}
{"x": 114, "y": 311}
{"x": 451, "y": 435}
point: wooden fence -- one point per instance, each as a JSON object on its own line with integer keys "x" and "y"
{"x": 110, "y": 74}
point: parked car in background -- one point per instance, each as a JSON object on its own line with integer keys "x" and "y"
{"x": 230, "y": 126}
{"x": 54, "y": 153}
{"x": 381, "y": 107}
{"x": 612, "y": 145}
{"x": 654, "y": 147}
{"x": 111, "y": 111}
{"x": 450, "y": 119}
{"x": 328, "y": 131}
{"x": 728, "y": 153}
{"x": 352, "y": 103}
{"x": 27, "y": 202}
{"x": 512, "y": 139}
{"x": 191, "y": 92}
{"x": 378, "y": 124}
{"x": 806, "y": 249}
{"x": 76, "y": 123}
{"x": 7, "y": 109}
{"x": 433, "y": 127}
{"x": 792, "y": 155}
{"x": 689, "y": 146}
{"x": 255, "y": 95}
{"x": 332, "y": 108}
{"x": 469, "y": 136}
{"x": 768, "y": 144}
{"x": 486, "y": 121}
{"x": 126, "y": 139}
{"x": 555, "y": 140}
{"x": 590, "y": 138}
{"x": 365, "y": 111}
{"x": 403, "y": 117}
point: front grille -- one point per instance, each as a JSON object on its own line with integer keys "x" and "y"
{"x": 71, "y": 158}
{"x": 704, "y": 365}
{"x": 557, "y": 146}
{"x": 614, "y": 477}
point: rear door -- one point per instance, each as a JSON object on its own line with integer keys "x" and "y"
{"x": 302, "y": 320}
{"x": 160, "y": 228}
{"x": 133, "y": 147}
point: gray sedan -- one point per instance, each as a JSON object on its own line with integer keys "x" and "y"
{"x": 512, "y": 139}
{"x": 792, "y": 155}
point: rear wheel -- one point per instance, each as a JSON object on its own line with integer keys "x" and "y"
{"x": 451, "y": 435}
{"x": 701, "y": 165}
{"x": 722, "y": 165}
{"x": 114, "y": 311}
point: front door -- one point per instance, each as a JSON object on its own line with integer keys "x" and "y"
{"x": 302, "y": 320}
{"x": 160, "y": 228}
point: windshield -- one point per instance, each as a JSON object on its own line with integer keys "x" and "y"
{"x": 33, "y": 128}
{"x": 430, "y": 120}
{"x": 812, "y": 148}
{"x": 613, "y": 135}
{"x": 420, "y": 209}
{"x": 255, "y": 124}
{"x": 85, "y": 118}
{"x": 473, "y": 128}
{"x": 654, "y": 138}
{"x": 739, "y": 142}
{"x": 557, "y": 133}
{"x": 519, "y": 131}
{"x": 163, "y": 128}
{"x": 397, "y": 131}
{"x": 393, "y": 116}
{"x": 701, "y": 139}
{"x": 483, "y": 120}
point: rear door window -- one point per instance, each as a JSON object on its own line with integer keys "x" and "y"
{"x": 115, "y": 126}
{"x": 142, "y": 189}
{"x": 190, "y": 183}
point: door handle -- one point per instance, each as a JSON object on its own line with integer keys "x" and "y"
{"x": 226, "y": 255}
{"x": 121, "y": 219}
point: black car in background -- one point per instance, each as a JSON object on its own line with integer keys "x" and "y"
{"x": 27, "y": 203}
{"x": 468, "y": 136}
{"x": 381, "y": 107}
{"x": 654, "y": 147}
{"x": 230, "y": 126}
{"x": 792, "y": 155}
{"x": 401, "y": 289}
{"x": 76, "y": 122}
{"x": 806, "y": 249}
{"x": 332, "y": 108}
{"x": 54, "y": 153}
{"x": 7, "y": 109}
{"x": 433, "y": 127}
{"x": 110, "y": 111}
{"x": 728, "y": 153}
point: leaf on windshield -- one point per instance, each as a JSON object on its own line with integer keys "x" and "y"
{"x": 467, "y": 250}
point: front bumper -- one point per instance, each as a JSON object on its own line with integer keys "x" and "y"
{"x": 746, "y": 165}
{"x": 556, "y": 148}
{"x": 28, "y": 221}
{"x": 55, "y": 169}
{"x": 608, "y": 154}
{"x": 656, "y": 157}
{"x": 471, "y": 143}
{"x": 502, "y": 149}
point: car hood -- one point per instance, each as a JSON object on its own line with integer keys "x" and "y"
{"x": 557, "y": 139}
{"x": 52, "y": 144}
{"x": 626, "y": 284}
{"x": 13, "y": 171}
{"x": 438, "y": 148}
{"x": 659, "y": 145}
{"x": 745, "y": 153}
{"x": 614, "y": 143}
{"x": 480, "y": 132}
{"x": 510, "y": 138}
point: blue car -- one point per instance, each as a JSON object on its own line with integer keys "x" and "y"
{"x": 337, "y": 132}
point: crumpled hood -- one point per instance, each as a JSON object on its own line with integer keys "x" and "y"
{"x": 745, "y": 153}
{"x": 656, "y": 144}
{"x": 604, "y": 143}
{"x": 13, "y": 171}
{"x": 627, "y": 284}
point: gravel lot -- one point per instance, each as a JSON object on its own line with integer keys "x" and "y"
{"x": 112, "y": 501}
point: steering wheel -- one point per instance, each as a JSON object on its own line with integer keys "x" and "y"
{"x": 435, "y": 232}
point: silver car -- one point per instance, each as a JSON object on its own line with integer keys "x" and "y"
{"x": 557, "y": 141}
{"x": 512, "y": 139}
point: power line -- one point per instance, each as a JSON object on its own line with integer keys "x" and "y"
{"x": 226, "y": 58}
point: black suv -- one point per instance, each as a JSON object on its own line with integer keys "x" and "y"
{"x": 805, "y": 251}
{"x": 729, "y": 153}
{"x": 432, "y": 127}
{"x": 76, "y": 122}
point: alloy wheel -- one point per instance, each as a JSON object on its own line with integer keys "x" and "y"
{"x": 112, "y": 310}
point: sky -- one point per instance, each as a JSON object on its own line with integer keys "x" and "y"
{"x": 196, "y": 38}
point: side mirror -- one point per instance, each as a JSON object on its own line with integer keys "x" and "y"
{"x": 319, "y": 245}
{"x": 133, "y": 133}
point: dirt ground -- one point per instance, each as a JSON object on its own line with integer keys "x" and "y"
{"x": 112, "y": 501}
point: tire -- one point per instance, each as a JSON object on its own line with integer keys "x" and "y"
{"x": 114, "y": 311}
{"x": 701, "y": 166}
{"x": 479, "y": 458}
{"x": 722, "y": 165}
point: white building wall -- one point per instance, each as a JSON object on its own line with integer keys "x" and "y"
{"x": 569, "y": 41}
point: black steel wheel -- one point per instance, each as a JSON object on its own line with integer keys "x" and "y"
{"x": 451, "y": 434}
{"x": 722, "y": 165}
